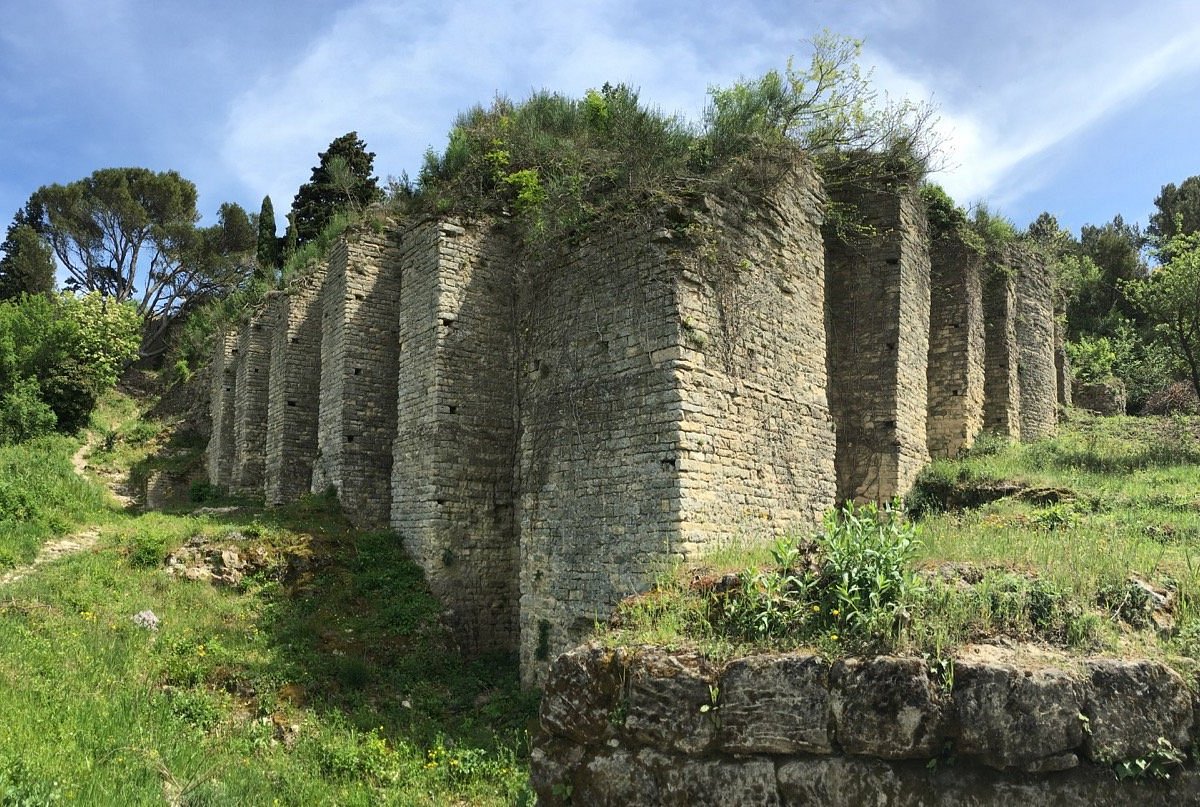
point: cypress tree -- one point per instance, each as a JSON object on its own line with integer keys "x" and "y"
{"x": 28, "y": 264}
{"x": 268, "y": 243}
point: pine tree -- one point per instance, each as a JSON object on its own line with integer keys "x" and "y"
{"x": 28, "y": 263}
{"x": 342, "y": 181}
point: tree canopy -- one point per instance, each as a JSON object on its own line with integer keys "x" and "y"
{"x": 130, "y": 234}
{"x": 1170, "y": 296}
{"x": 1177, "y": 211}
{"x": 342, "y": 181}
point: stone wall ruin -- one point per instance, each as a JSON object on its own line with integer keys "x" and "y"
{"x": 647, "y": 726}
{"x": 545, "y": 429}
{"x": 877, "y": 310}
{"x": 956, "y": 346}
{"x": 356, "y": 419}
{"x": 294, "y": 385}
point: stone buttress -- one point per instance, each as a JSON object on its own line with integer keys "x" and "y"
{"x": 294, "y": 389}
{"x": 877, "y": 315}
{"x": 356, "y": 420}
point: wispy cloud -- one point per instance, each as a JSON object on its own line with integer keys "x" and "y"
{"x": 1030, "y": 110}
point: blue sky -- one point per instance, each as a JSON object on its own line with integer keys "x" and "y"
{"x": 1083, "y": 109}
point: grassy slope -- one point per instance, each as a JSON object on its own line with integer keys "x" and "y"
{"x": 324, "y": 679}
{"x": 1053, "y": 574}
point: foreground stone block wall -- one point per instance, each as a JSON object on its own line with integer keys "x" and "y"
{"x": 1037, "y": 374}
{"x": 956, "y": 346}
{"x": 250, "y": 401}
{"x": 294, "y": 382}
{"x": 223, "y": 381}
{"x": 452, "y": 478}
{"x": 356, "y": 420}
{"x": 646, "y": 726}
{"x": 877, "y": 315}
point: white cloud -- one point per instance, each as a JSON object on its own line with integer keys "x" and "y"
{"x": 1029, "y": 110}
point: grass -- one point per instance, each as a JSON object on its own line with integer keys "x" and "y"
{"x": 41, "y": 497}
{"x": 1093, "y": 516}
{"x": 324, "y": 676}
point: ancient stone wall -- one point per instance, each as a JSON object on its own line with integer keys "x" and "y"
{"x": 1062, "y": 363}
{"x": 454, "y": 453}
{"x": 877, "y": 319}
{"x": 294, "y": 389}
{"x": 356, "y": 420}
{"x": 598, "y": 499}
{"x": 644, "y": 726}
{"x": 1038, "y": 379}
{"x": 671, "y": 397}
{"x": 756, "y": 447}
{"x": 546, "y": 427}
{"x": 956, "y": 346}
{"x": 1002, "y": 389}
{"x": 223, "y": 380}
{"x": 250, "y": 401}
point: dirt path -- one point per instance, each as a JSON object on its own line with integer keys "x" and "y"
{"x": 70, "y": 544}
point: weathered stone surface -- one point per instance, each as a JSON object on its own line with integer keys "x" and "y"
{"x": 776, "y": 704}
{"x": 670, "y": 698}
{"x": 223, "y": 380}
{"x": 553, "y": 764}
{"x": 877, "y": 315}
{"x": 250, "y": 401}
{"x": 1062, "y": 362}
{"x": 671, "y": 394}
{"x": 887, "y": 707}
{"x": 294, "y": 389}
{"x": 356, "y": 420}
{"x": 956, "y": 346}
{"x": 1035, "y": 344}
{"x": 838, "y": 781}
{"x": 859, "y": 782}
{"x": 1014, "y": 718}
{"x": 1130, "y": 704}
{"x": 686, "y": 782}
{"x": 455, "y": 442}
{"x": 616, "y": 778}
{"x": 1103, "y": 397}
{"x": 1001, "y": 384}
{"x": 582, "y": 694}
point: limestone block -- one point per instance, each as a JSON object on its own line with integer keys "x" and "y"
{"x": 583, "y": 690}
{"x": 670, "y": 700}
{"x": 1129, "y": 705}
{"x": 713, "y": 783}
{"x": 776, "y": 704}
{"x": 614, "y": 779}
{"x": 1014, "y": 718}
{"x": 849, "y": 782}
{"x": 888, "y": 707}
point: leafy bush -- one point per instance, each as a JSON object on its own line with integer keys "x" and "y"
{"x": 866, "y": 575}
{"x": 23, "y": 414}
{"x": 855, "y": 598}
{"x": 147, "y": 550}
{"x": 71, "y": 347}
